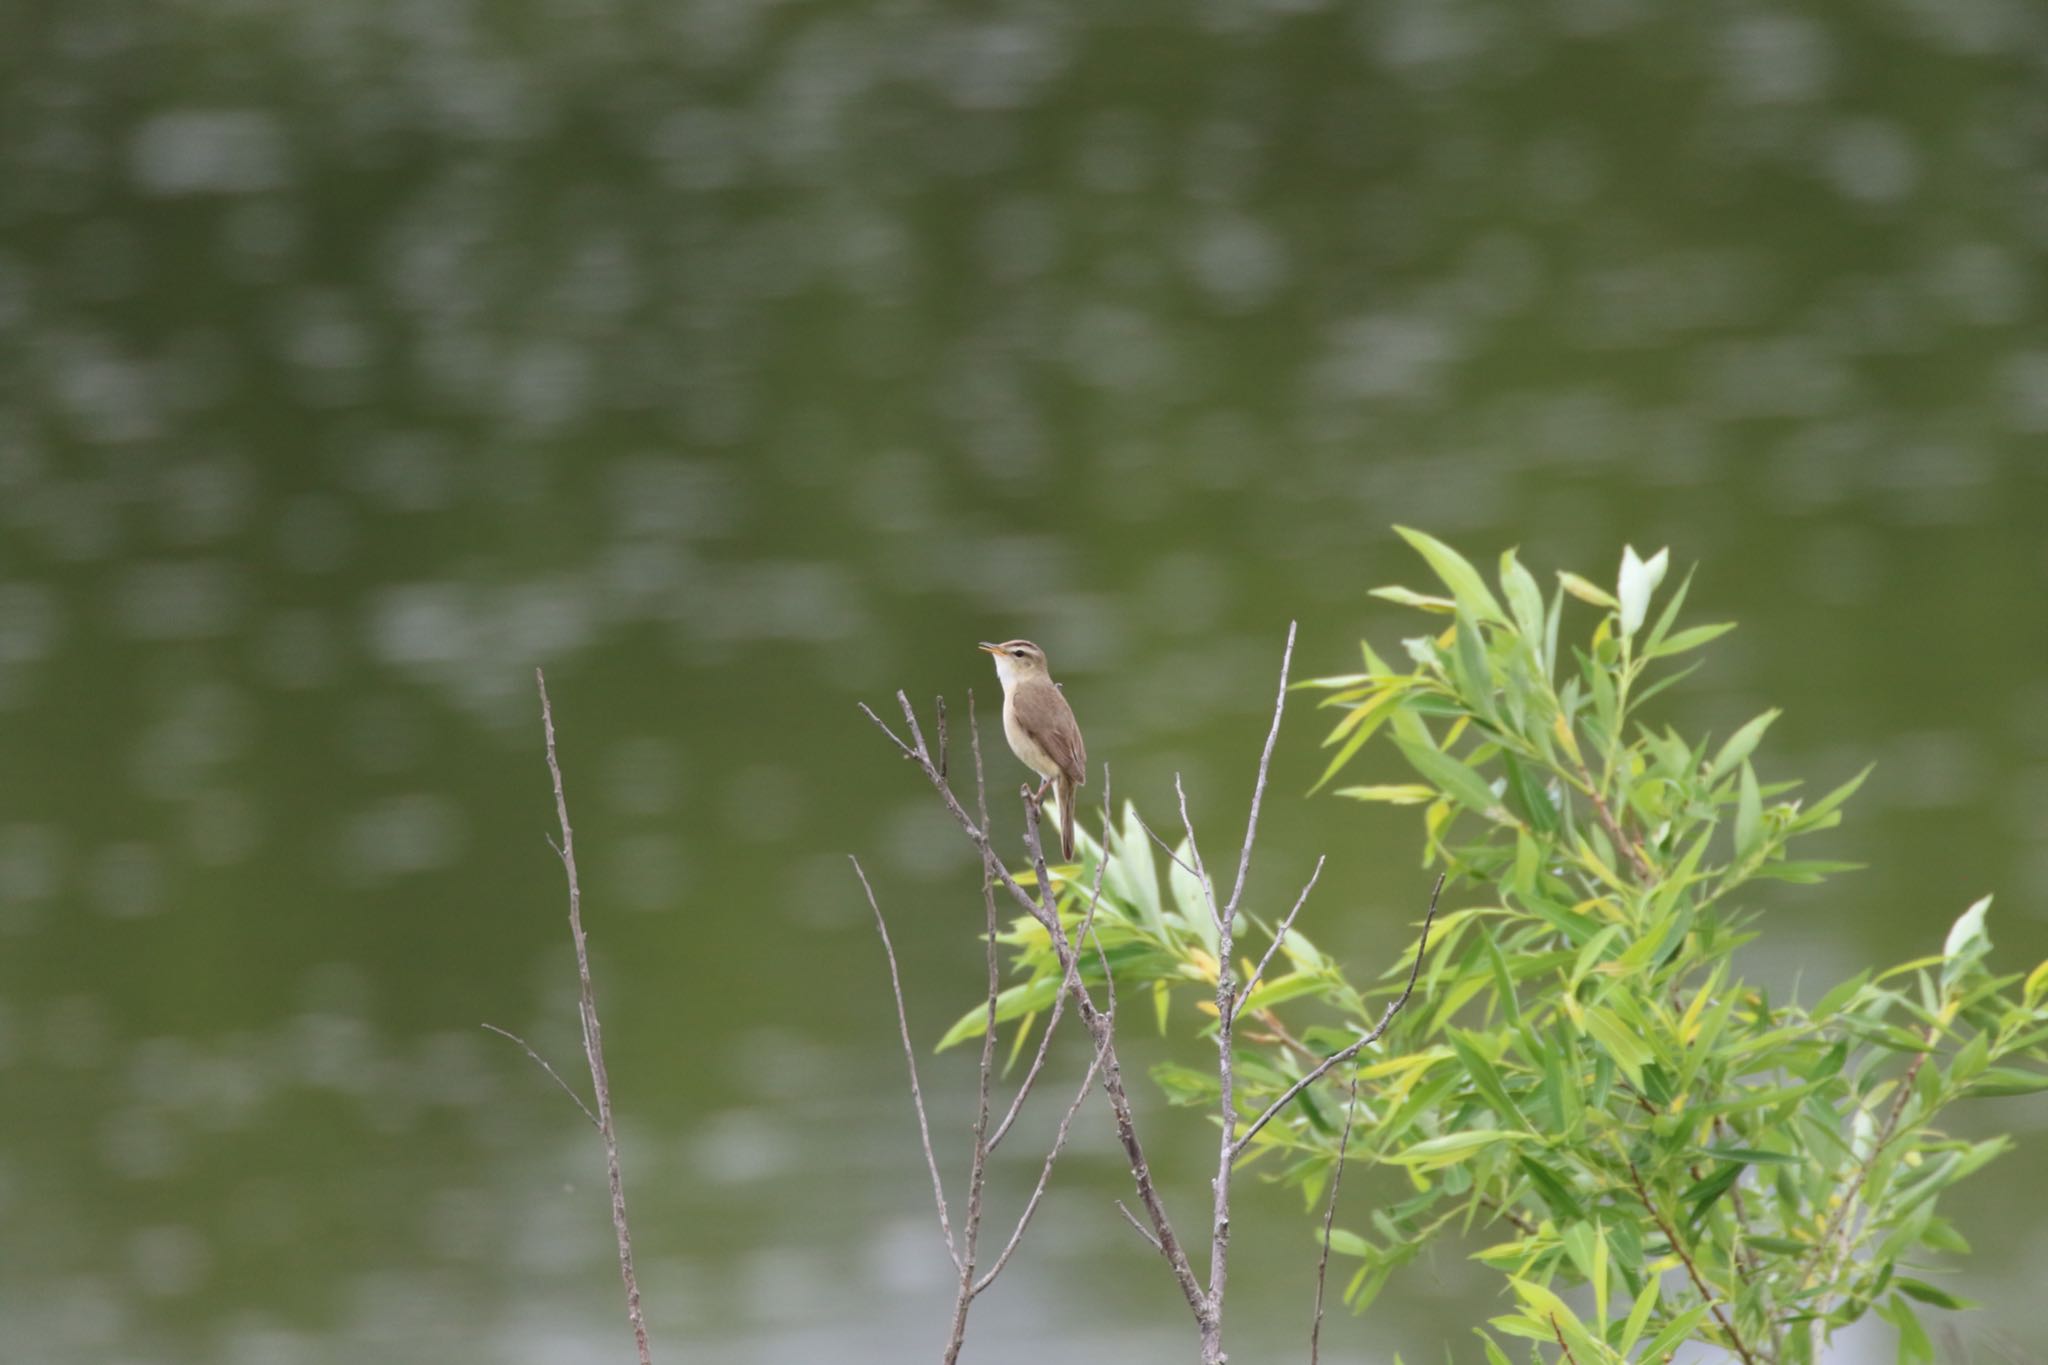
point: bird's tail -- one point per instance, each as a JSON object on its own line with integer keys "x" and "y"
{"x": 1066, "y": 786}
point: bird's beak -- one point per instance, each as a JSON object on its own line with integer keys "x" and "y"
{"x": 988, "y": 648}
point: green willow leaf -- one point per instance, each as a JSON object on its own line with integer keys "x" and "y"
{"x": 1457, "y": 573}
{"x": 1399, "y": 794}
{"x": 1457, "y": 781}
{"x": 1689, "y": 639}
{"x": 1525, "y": 599}
{"x": 1452, "y": 1148}
{"x": 1749, "y": 815}
{"x": 1740, "y": 745}
{"x": 1014, "y": 1003}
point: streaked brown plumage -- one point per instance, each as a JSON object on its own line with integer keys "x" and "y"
{"x": 1041, "y": 727}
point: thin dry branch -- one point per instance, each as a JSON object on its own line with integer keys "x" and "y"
{"x": 1345, "y": 1054}
{"x": 1226, "y": 1104}
{"x": 977, "y": 832}
{"x": 1200, "y": 870}
{"x": 1279, "y": 935}
{"x": 1227, "y": 1003}
{"x": 1164, "y": 847}
{"x": 977, "y": 1174}
{"x": 1059, "y": 1142}
{"x": 1068, "y": 975}
{"x": 1052, "y": 1024}
{"x": 924, "y": 1128}
{"x": 553, "y": 1074}
{"x": 1101, "y": 1029}
{"x": 1315, "y": 1331}
{"x": 1137, "y": 1226}
{"x": 593, "y": 1036}
{"x": 1251, "y": 824}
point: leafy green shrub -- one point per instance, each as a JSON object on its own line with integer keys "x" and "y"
{"x": 1581, "y": 1067}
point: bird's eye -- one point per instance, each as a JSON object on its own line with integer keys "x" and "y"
{"x": 1017, "y": 653}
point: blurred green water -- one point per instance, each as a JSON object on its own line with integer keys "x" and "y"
{"x": 737, "y": 362}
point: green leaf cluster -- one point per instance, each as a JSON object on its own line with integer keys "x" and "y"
{"x": 1582, "y": 1071}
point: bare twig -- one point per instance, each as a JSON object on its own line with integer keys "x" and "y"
{"x": 1315, "y": 1332}
{"x": 1200, "y": 871}
{"x": 924, "y": 1129}
{"x": 1068, "y": 974}
{"x": 553, "y": 1075}
{"x": 1251, "y": 824}
{"x": 1227, "y": 1004}
{"x": 1678, "y": 1248}
{"x": 1164, "y": 847}
{"x": 977, "y": 832}
{"x": 1132, "y": 1219}
{"x": 1052, "y": 1023}
{"x": 1101, "y": 1030}
{"x": 1344, "y": 1054}
{"x": 1059, "y": 1141}
{"x": 910, "y": 720}
{"x": 593, "y": 1037}
{"x": 882, "y": 725}
{"x": 980, "y": 775}
{"x": 1226, "y": 1093}
{"x": 977, "y": 1174}
{"x": 1279, "y": 936}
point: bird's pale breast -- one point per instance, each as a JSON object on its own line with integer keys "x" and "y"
{"x": 1022, "y": 744}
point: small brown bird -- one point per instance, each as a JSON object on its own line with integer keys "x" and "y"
{"x": 1040, "y": 727}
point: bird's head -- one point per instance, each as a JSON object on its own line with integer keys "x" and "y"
{"x": 1016, "y": 660}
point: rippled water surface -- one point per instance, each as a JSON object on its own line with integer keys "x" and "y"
{"x": 738, "y": 361}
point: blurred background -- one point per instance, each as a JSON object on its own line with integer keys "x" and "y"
{"x": 739, "y": 360}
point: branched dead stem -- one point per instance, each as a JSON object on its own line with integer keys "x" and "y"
{"x": 593, "y": 1036}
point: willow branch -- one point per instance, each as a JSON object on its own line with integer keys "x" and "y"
{"x": 1629, "y": 847}
{"x": 1558, "y": 1332}
{"x": 1837, "y": 1226}
{"x": 1678, "y": 1248}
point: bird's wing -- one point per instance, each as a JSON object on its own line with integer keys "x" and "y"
{"x": 1062, "y": 742}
